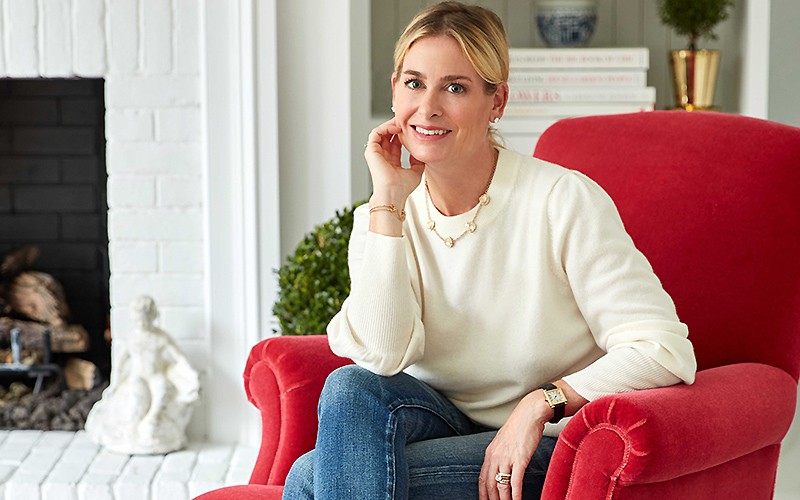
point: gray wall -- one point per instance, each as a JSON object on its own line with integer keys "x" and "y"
{"x": 784, "y": 63}
{"x": 784, "y": 107}
{"x": 624, "y": 23}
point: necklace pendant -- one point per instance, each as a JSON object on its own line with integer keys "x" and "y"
{"x": 431, "y": 225}
{"x": 471, "y": 226}
{"x": 484, "y": 199}
{"x": 449, "y": 242}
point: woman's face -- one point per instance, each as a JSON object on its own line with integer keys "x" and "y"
{"x": 441, "y": 103}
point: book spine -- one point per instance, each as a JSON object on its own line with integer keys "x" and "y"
{"x": 635, "y": 78}
{"x": 616, "y": 57}
{"x": 564, "y": 110}
{"x": 555, "y": 94}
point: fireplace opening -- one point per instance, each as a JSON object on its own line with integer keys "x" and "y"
{"x": 53, "y": 230}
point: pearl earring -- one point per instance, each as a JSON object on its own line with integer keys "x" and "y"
{"x": 393, "y": 109}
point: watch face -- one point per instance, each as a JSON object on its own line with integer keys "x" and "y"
{"x": 555, "y": 397}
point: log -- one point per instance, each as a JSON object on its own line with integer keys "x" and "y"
{"x": 66, "y": 338}
{"x": 80, "y": 374}
{"x": 38, "y": 296}
{"x": 29, "y": 357}
{"x": 18, "y": 261}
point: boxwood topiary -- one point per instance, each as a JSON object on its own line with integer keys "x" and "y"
{"x": 694, "y": 18}
{"x": 315, "y": 280}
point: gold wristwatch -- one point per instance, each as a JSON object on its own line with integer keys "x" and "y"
{"x": 557, "y": 401}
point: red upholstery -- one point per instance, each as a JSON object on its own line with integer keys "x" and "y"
{"x": 661, "y": 437}
{"x": 711, "y": 199}
{"x": 251, "y": 491}
{"x": 283, "y": 378}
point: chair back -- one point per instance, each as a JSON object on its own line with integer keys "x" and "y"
{"x": 713, "y": 201}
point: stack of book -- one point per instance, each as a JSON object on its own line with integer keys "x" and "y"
{"x": 579, "y": 82}
{"x": 549, "y": 84}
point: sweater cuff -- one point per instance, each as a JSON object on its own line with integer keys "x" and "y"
{"x": 621, "y": 370}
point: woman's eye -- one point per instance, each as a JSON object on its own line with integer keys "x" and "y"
{"x": 413, "y": 84}
{"x": 456, "y": 88}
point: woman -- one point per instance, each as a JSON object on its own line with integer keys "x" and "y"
{"x": 492, "y": 294}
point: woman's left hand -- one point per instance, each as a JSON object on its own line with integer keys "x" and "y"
{"x": 512, "y": 448}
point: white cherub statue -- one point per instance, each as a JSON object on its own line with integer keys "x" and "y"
{"x": 151, "y": 394}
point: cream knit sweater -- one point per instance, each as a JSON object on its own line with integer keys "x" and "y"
{"x": 550, "y": 286}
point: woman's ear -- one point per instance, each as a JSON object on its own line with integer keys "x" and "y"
{"x": 394, "y": 82}
{"x": 500, "y": 99}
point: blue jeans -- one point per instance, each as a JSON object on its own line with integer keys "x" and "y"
{"x": 396, "y": 438}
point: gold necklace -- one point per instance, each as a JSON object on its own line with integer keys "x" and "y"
{"x": 471, "y": 227}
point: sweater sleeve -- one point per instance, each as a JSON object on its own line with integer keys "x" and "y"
{"x": 380, "y": 323}
{"x": 630, "y": 315}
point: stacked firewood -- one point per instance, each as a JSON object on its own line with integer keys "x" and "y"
{"x": 33, "y": 302}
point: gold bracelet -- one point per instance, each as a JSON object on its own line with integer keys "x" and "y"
{"x": 401, "y": 214}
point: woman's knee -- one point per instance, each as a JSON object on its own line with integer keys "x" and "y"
{"x": 351, "y": 387}
{"x": 300, "y": 480}
{"x": 345, "y": 384}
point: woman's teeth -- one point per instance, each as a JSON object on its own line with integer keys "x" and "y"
{"x": 430, "y": 132}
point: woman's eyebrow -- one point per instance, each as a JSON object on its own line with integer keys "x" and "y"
{"x": 450, "y": 78}
{"x": 414, "y": 73}
{"x": 446, "y": 78}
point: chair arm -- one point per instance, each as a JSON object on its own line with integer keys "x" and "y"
{"x": 244, "y": 492}
{"x": 283, "y": 378}
{"x": 656, "y": 435}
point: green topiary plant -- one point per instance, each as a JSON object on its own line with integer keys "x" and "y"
{"x": 694, "y": 18}
{"x": 315, "y": 280}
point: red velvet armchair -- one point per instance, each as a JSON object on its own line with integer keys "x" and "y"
{"x": 712, "y": 200}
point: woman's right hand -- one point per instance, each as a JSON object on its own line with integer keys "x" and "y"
{"x": 392, "y": 183}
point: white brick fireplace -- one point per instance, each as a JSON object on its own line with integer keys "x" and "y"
{"x": 150, "y": 54}
{"x": 207, "y": 188}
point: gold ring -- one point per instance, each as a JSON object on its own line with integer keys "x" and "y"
{"x": 502, "y": 478}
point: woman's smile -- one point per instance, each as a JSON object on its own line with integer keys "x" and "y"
{"x": 428, "y": 133}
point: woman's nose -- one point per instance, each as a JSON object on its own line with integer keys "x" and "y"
{"x": 430, "y": 105}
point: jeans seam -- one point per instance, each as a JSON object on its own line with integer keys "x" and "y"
{"x": 391, "y": 465}
{"x": 400, "y": 406}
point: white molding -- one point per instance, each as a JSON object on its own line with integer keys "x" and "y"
{"x": 268, "y": 160}
{"x": 754, "y": 97}
{"x": 360, "y": 95}
{"x": 232, "y": 293}
{"x": 249, "y": 186}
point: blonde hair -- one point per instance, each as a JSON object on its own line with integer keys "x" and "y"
{"x": 479, "y": 31}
